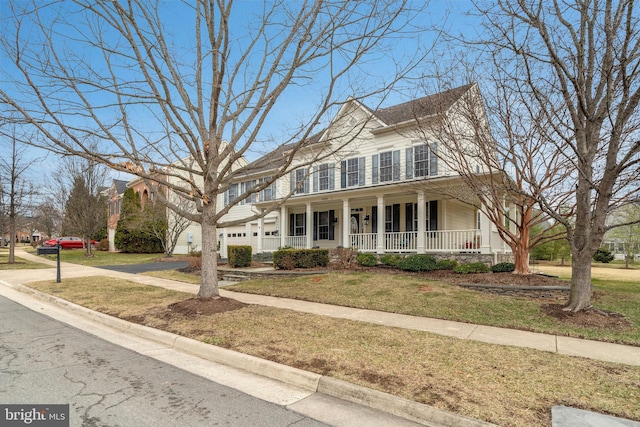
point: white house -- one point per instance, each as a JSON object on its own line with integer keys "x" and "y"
{"x": 366, "y": 182}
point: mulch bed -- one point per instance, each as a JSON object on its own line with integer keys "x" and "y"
{"x": 205, "y": 306}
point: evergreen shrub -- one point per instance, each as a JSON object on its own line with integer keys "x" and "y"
{"x": 472, "y": 267}
{"x": 239, "y": 256}
{"x": 417, "y": 262}
{"x": 503, "y": 267}
{"x": 367, "y": 260}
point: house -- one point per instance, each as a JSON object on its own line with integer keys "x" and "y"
{"x": 368, "y": 181}
{"x": 114, "y": 194}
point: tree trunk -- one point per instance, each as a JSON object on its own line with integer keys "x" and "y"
{"x": 209, "y": 269}
{"x": 580, "y": 296}
{"x": 12, "y": 239}
{"x": 521, "y": 260}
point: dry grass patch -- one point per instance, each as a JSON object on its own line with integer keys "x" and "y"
{"x": 174, "y": 275}
{"x": 503, "y": 385}
{"x": 600, "y": 273}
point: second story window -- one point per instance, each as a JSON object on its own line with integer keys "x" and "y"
{"x": 247, "y": 186}
{"x": 386, "y": 167}
{"x": 422, "y": 160}
{"x": 268, "y": 193}
{"x": 231, "y": 194}
{"x": 299, "y": 181}
{"x": 323, "y": 177}
{"x": 352, "y": 172}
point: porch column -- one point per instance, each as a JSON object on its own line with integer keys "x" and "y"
{"x": 485, "y": 233}
{"x": 380, "y": 231}
{"x": 346, "y": 221}
{"x": 283, "y": 226}
{"x": 260, "y": 233}
{"x": 422, "y": 223}
{"x": 309, "y": 226}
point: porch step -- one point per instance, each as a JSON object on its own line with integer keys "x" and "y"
{"x": 235, "y": 277}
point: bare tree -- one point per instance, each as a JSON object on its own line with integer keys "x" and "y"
{"x": 486, "y": 140}
{"x": 576, "y": 64}
{"x": 154, "y": 90}
{"x": 80, "y": 182}
{"x": 48, "y": 217}
{"x": 17, "y": 190}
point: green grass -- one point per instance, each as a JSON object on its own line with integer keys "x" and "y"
{"x": 419, "y": 297}
{"x": 20, "y": 263}
{"x": 77, "y": 256}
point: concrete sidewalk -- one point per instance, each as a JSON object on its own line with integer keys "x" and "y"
{"x": 616, "y": 353}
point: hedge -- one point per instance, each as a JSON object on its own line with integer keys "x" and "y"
{"x": 239, "y": 256}
{"x": 417, "y": 262}
{"x": 503, "y": 267}
{"x": 288, "y": 259}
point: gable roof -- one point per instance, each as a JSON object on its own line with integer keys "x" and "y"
{"x": 417, "y": 108}
{"x": 421, "y": 107}
{"x": 120, "y": 185}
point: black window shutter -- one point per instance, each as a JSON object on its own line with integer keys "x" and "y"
{"x": 408, "y": 214}
{"x": 315, "y": 226}
{"x": 396, "y": 218}
{"x": 292, "y": 225}
{"x": 374, "y": 219}
{"x": 343, "y": 174}
{"x": 433, "y": 215}
{"x": 332, "y": 215}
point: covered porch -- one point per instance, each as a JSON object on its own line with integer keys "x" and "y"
{"x": 401, "y": 222}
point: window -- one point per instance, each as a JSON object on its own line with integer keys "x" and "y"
{"x": 268, "y": 193}
{"x": 392, "y": 218}
{"x": 323, "y": 177}
{"x": 352, "y": 172}
{"x": 298, "y": 224}
{"x": 247, "y": 186}
{"x": 422, "y": 161}
{"x": 386, "y": 167}
{"x": 421, "y": 156}
{"x": 431, "y": 214}
{"x": 231, "y": 194}
{"x": 299, "y": 181}
{"x": 323, "y": 225}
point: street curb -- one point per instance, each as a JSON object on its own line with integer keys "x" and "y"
{"x": 310, "y": 381}
{"x": 395, "y": 405}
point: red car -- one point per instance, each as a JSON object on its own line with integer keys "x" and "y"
{"x": 69, "y": 242}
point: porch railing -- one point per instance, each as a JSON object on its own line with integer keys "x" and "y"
{"x": 452, "y": 241}
{"x": 297, "y": 242}
{"x": 404, "y": 241}
{"x": 271, "y": 244}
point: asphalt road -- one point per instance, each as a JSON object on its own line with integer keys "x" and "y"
{"x": 142, "y": 268}
{"x": 43, "y": 361}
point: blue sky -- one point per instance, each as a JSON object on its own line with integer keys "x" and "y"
{"x": 298, "y": 101}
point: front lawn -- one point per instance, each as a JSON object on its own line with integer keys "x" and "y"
{"x": 419, "y": 296}
{"x": 500, "y": 384}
